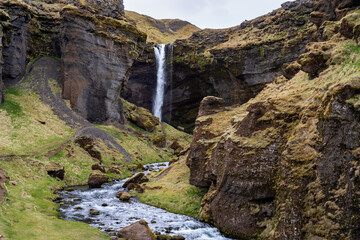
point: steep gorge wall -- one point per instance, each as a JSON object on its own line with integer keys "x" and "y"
{"x": 234, "y": 64}
{"x": 285, "y": 165}
{"x": 96, "y": 45}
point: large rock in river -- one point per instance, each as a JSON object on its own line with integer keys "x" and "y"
{"x": 96, "y": 179}
{"x": 138, "y": 230}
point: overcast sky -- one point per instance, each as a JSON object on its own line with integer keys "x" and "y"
{"x": 205, "y": 13}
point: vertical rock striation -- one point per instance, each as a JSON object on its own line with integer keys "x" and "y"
{"x": 97, "y": 54}
{"x": 285, "y": 165}
{"x": 96, "y": 45}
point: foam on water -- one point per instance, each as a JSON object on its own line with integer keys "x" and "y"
{"x": 76, "y": 206}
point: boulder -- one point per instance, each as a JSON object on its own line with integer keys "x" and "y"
{"x": 158, "y": 140}
{"x": 141, "y": 117}
{"x": 138, "y": 230}
{"x": 55, "y": 170}
{"x": 136, "y": 179}
{"x": 96, "y": 179}
{"x": 176, "y": 147}
{"x": 124, "y": 196}
{"x": 313, "y": 62}
{"x": 290, "y": 70}
{"x": 94, "y": 212}
{"x": 98, "y": 167}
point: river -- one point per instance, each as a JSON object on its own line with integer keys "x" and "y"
{"x": 115, "y": 214}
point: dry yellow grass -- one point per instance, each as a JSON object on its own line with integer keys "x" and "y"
{"x": 155, "y": 35}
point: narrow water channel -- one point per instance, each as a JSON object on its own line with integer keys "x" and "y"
{"x": 115, "y": 214}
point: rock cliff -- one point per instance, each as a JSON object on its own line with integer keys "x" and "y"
{"x": 98, "y": 52}
{"x": 284, "y": 165}
{"x": 96, "y": 45}
{"x": 234, "y": 64}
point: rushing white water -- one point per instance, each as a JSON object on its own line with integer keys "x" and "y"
{"x": 115, "y": 214}
{"x": 160, "y": 55}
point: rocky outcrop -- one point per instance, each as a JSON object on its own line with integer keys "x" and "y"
{"x": 280, "y": 166}
{"x": 141, "y": 117}
{"x": 96, "y": 45}
{"x": 98, "y": 52}
{"x": 234, "y": 64}
{"x": 109, "y": 8}
{"x": 138, "y": 230}
{"x": 55, "y": 170}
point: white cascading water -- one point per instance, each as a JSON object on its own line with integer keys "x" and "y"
{"x": 115, "y": 214}
{"x": 160, "y": 55}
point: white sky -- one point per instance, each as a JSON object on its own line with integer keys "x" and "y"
{"x": 205, "y": 13}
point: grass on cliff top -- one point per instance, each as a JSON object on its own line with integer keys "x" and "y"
{"x": 170, "y": 189}
{"x": 28, "y": 126}
{"x": 149, "y": 26}
{"x": 28, "y": 211}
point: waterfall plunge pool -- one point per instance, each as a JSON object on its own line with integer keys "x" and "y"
{"x": 115, "y": 214}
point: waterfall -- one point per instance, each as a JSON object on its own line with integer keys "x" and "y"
{"x": 162, "y": 53}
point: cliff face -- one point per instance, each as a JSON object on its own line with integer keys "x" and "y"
{"x": 234, "y": 64}
{"x": 284, "y": 165}
{"x": 96, "y": 45}
{"x": 98, "y": 52}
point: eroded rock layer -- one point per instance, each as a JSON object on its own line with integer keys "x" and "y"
{"x": 234, "y": 64}
{"x": 284, "y": 165}
{"x": 96, "y": 45}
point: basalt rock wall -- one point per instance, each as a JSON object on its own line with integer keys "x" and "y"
{"x": 284, "y": 165}
{"x": 96, "y": 45}
{"x": 234, "y": 64}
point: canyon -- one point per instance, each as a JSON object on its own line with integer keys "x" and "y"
{"x": 273, "y": 105}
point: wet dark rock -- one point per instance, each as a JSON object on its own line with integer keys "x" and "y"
{"x": 55, "y": 170}
{"x": 96, "y": 179}
{"x": 104, "y": 204}
{"x": 94, "y": 212}
{"x": 138, "y": 230}
{"x": 136, "y": 179}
